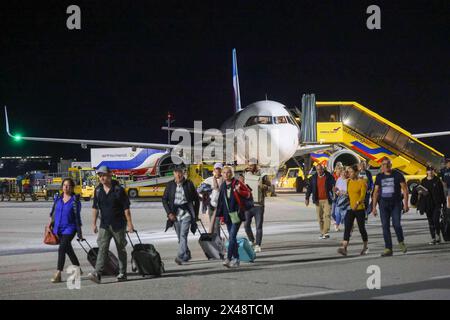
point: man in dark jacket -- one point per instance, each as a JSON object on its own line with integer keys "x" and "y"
{"x": 181, "y": 202}
{"x": 321, "y": 187}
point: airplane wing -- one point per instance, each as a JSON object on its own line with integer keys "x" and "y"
{"x": 431, "y": 134}
{"x": 303, "y": 150}
{"x": 84, "y": 143}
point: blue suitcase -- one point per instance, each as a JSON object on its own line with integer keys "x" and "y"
{"x": 246, "y": 252}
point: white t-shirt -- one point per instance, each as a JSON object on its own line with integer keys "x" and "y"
{"x": 341, "y": 185}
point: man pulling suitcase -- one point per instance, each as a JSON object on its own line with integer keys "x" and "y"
{"x": 113, "y": 204}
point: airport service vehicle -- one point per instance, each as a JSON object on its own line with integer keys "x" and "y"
{"x": 356, "y": 132}
{"x": 85, "y": 182}
{"x": 155, "y": 186}
{"x": 294, "y": 180}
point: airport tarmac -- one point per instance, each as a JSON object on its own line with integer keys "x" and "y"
{"x": 294, "y": 263}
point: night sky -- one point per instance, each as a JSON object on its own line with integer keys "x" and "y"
{"x": 133, "y": 61}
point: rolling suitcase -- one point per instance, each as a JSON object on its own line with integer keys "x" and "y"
{"x": 246, "y": 252}
{"x": 211, "y": 244}
{"x": 145, "y": 259}
{"x": 111, "y": 267}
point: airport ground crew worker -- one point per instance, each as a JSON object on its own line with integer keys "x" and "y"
{"x": 259, "y": 184}
{"x": 356, "y": 190}
{"x": 113, "y": 203}
{"x": 181, "y": 203}
{"x": 390, "y": 188}
{"x": 66, "y": 222}
{"x": 321, "y": 188}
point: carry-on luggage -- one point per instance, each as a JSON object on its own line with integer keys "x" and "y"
{"x": 245, "y": 249}
{"x": 145, "y": 259}
{"x": 211, "y": 244}
{"x": 445, "y": 224}
{"x": 111, "y": 267}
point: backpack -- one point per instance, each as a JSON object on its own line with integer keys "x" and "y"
{"x": 244, "y": 203}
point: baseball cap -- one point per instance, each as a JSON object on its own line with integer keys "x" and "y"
{"x": 103, "y": 170}
{"x": 218, "y": 165}
{"x": 179, "y": 167}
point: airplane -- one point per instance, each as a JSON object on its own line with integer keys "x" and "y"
{"x": 270, "y": 116}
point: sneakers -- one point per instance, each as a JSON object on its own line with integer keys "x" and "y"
{"x": 121, "y": 277}
{"x": 57, "y": 277}
{"x": 321, "y": 237}
{"x": 403, "y": 247}
{"x": 95, "y": 277}
{"x": 438, "y": 240}
{"x": 387, "y": 253}
{"x": 178, "y": 261}
{"x": 326, "y": 236}
{"x": 226, "y": 263}
{"x": 342, "y": 251}
{"x": 257, "y": 249}
{"x": 235, "y": 263}
{"x": 336, "y": 228}
{"x": 432, "y": 242}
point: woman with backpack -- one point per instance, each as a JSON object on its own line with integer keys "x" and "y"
{"x": 231, "y": 206}
{"x": 356, "y": 190}
{"x": 66, "y": 222}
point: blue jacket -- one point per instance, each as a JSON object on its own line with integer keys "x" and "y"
{"x": 222, "y": 209}
{"x": 66, "y": 221}
{"x": 312, "y": 187}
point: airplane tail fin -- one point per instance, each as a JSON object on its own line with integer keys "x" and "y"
{"x": 237, "y": 93}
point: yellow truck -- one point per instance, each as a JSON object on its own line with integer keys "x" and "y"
{"x": 85, "y": 182}
{"x": 293, "y": 181}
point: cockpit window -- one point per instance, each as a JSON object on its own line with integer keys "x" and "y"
{"x": 280, "y": 120}
{"x": 258, "y": 120}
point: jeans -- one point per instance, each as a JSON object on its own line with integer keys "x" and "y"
{"x": 388, "y": 210}
{"x": 182, "y": 228}
{"x": 103, "y": 241}
{"x": 360, "y": 216}
{"x": 338, "y": 214}
{"x": 258, "y": 213}
{"x": 233, "y": 248}
{"x": 434, "y": 222}
{"x": 65, "y": 247}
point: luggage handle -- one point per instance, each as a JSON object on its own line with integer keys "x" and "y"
{"x": 223, "y": 231}
{"x": 129, "y": 238}
{"x": 204, "y": 229}
{"x": 81, "y": 245}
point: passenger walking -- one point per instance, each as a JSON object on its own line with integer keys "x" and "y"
{"x": 321, "y": 188}
{"x": 365, "y": 174}
{"x": 433, "y": 200}
{"x": 258, "y": 184}
{"x": 356, "y": 189}
{"x": 66, "y": 222}
{"x": 340, "y": 203}
{"x": 214, "y": 182}
{"x": 445, "y": 175}
{"x": 113, "y": 204}
{"x": 390, "y": 188}
{"x": 231, "y": 207}
{"x": 181, "y": 203}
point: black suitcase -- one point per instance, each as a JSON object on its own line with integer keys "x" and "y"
{"x": 111, "y": 267}
{"x": 211, "y": 244}
{"x": 445, "y": 224}
{"x": 145, "y": 259}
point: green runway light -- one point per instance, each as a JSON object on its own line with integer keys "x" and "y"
{"x": 17, "y": 137}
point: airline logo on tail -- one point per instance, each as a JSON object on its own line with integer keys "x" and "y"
{"x": 237, "y": 93}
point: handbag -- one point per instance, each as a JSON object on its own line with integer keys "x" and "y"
{"x": 234, "y": 216}
{"x": 49, "y": 237}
